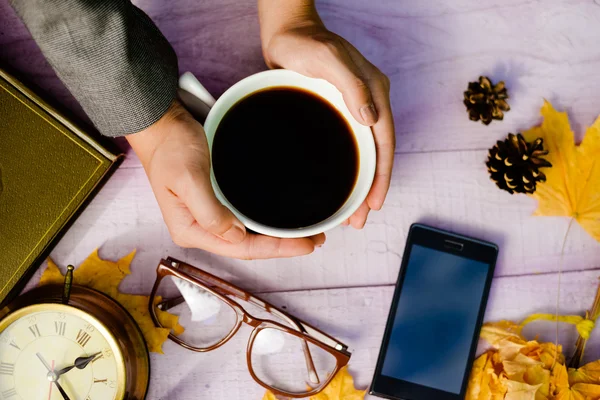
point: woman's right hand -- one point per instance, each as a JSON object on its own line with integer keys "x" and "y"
{"x": 175, "y": 155}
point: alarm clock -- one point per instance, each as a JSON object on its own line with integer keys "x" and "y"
{"x": 71, "y": 343}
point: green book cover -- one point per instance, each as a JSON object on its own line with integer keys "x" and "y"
{"x": 49, "y": 169}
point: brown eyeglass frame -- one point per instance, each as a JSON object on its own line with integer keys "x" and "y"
{"x": 222, "y": 289}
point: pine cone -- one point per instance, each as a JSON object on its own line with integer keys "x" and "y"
{"x": 514, "y": 164}
{"x": 486, "y": 101}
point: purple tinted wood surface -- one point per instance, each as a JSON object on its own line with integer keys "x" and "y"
{"x": 430, "y": 50}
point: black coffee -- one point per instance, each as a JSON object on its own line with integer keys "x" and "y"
{"x": 285, "y": 158}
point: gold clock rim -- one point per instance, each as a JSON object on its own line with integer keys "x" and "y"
{"x": 110, "y": 338}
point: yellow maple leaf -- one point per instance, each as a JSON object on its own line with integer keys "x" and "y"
{"x": 559, "y": 380}
{"x": 569, "y": 395}
{"x": 520, "y": 391}
{"x": 589, "y": 373}
{"x": 576, "y": 384}
{"x": 269, "y": 396}
{"x": 495, "y": 332}
{"x": 516, "y": 368}
{"x": 341, "y": 387}
{"x": 484, "y": 383}
{"x": 572, "y": 185}
{"x": 476, "y": 377}
{"x": 547, "y": 353}
{"x": 105, "y": 276}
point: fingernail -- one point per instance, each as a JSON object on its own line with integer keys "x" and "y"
{"x": 369, "y": 114}
{"x": 234, "y": 235}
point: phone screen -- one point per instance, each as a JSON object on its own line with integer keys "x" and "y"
{"x": 435, "y": 319}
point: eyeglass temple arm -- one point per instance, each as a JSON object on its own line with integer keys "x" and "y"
{"x": 167, "y": 304}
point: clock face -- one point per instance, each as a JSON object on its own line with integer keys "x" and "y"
{"x": 39, "y": 341}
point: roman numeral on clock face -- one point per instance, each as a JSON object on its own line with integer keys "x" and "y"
{"x": 83, "y": 338}
{"x": 14, "y": 344}
{"x": 9, "y": 393}
{"x": 7, "y": 368}
{"x": 35, "y": 331}
{"x": 60, "y": 327}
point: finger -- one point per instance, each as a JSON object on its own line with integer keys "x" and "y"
{"x": 318, "y": 240}
{"x": 385, "y": 144}
{"x": 346, "y": 222}
{"x": 335, "y": 65}
{"x": 186, "y": 232}
{"x": 359, "y": 218}
{"x": 252, "y": 247}
{"x": 199, "y": 197}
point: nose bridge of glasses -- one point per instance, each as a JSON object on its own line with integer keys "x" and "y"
{"x": 250, "y": 320}
{"x": 276, "y": 312}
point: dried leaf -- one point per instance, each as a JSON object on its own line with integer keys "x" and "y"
{"x": 573, "y": 182}
{"x": 51, "y": 275}
{"x": 567, "y": 386}
{"x": 589, "y": 373}
{"x": 105, "y": 276}
{"x": 517, "y": 368}
{"x": 269, "y": 396}
{"x": 484, "y": 383}
{"x": 476, "y": 378}
{"x": 495, "y": 332}
{"x": 587, "y": 391}
{"x": 520, "y": 391}
{"x": 559, "y": 380}
{"x": 341, "y": 387}
{"x": 568, "y": 395}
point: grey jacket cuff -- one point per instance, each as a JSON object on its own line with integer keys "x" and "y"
{"x": 110, "y": 55}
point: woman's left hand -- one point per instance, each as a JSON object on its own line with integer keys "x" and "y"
{"x": 296, "y": 39}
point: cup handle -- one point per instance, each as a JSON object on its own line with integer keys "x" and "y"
{"x": 194, "y": 96}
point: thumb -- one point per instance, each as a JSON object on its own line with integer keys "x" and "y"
{"x": 337, "y": 66}
{"x": 207, "y": 210}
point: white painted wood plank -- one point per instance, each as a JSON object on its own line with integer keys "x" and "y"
{"x": 357, "y": 317}
{"x": 430, "y": 50}
{"x": 448, "y": 190}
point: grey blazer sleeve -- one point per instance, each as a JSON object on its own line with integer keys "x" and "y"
{"x": 111, "y": 57}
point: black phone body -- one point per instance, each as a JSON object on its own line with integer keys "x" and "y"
{"x": 435, "y": 317}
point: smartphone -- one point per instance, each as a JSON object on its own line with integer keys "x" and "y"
{"x": 437, "y": 310}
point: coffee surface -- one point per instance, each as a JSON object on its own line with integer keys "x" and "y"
{"x": 285, "y": 157}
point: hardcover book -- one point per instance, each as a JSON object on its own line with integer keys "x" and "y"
{"x": 49, "y": 170}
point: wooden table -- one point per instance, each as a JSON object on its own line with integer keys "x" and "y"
{"x": 430, "y": 50}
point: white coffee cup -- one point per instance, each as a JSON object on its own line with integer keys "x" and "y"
{"x": 194, "y": 91}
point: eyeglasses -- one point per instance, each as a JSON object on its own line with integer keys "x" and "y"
{"x": 284, "y": 354}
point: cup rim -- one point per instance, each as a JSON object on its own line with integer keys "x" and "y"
{"x": 366, "y": 146}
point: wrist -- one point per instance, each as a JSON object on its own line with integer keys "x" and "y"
{"x": 276, "y": 20}
{"x": 145, "y": 142}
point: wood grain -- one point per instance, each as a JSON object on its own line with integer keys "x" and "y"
{"x": 357, "y": 317}
{"x": 430, "y": 50}
{"x": 450, "y": 190}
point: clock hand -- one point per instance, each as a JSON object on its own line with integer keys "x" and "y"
{"x": 44, "y": 361}
{"x": 62, "y": 391}
{"x": 80, "y": 363}
{"x": 51, "y": 385}
{"x": 52, "y": 377}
